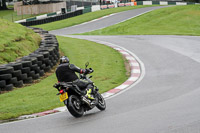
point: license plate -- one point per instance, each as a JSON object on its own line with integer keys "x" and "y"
{"x": 63, "y": 97}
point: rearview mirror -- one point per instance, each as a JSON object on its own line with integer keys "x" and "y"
{"x": 86, "y": 64}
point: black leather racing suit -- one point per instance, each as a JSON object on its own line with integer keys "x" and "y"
{"x": 66, "y": 73}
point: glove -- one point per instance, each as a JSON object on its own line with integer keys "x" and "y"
{"x": 87, "y": 71}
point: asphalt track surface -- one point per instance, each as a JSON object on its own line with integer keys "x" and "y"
{"x": 166, "y": 100}
{"x": 104, "y": 22}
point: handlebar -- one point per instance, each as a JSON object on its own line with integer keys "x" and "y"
{"x": 84, "y": 75}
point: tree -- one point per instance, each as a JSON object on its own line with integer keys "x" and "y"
{"x": 3, "y": 5}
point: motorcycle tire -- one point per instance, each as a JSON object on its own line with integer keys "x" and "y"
{"x": 101, "y": 102}
{"x": 74, "y": 106}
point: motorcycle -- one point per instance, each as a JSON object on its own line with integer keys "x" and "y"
{"x": 74, "y": 97}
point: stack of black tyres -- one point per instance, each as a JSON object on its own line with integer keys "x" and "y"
{"x": 6, "y": 78}
{"x": 31, "y": 67}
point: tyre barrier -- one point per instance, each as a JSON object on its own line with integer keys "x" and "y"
{"x": 29, "y": 68}
{"x": 53, "y": 18}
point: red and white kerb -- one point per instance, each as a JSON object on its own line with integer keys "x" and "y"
{"x": 134, "y": 76}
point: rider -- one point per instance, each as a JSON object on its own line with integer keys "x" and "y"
{"x": 65, "y": 72}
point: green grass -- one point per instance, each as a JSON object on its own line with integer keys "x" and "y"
{"x": 84, "y": 18}
{"x": 10, "y": 15}
{"x": 177, "y": 20}
{"x": 107, "y": 63}
{"x": 16, "y": 41}
{"x": 109, "y": 72}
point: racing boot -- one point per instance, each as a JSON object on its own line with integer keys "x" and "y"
{"x": 89, "y": 95}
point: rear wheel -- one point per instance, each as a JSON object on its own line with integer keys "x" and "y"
{"x": 101, "y": 102}
{"x": 74, "y": 106}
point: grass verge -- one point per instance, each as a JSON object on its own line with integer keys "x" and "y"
{"x": 84, "y": 18}
{"x": 177, "y": 20}
{"x": 11, "y": 15}
{"x": 109, "y": 72}
{"x": 16, "y": 41}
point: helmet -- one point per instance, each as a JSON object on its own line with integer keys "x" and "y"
{"x": 64, "y": 59}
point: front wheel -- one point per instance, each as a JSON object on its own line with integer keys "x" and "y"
{"x": 74, "y": 106}
{"x": 101, "y": 102}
